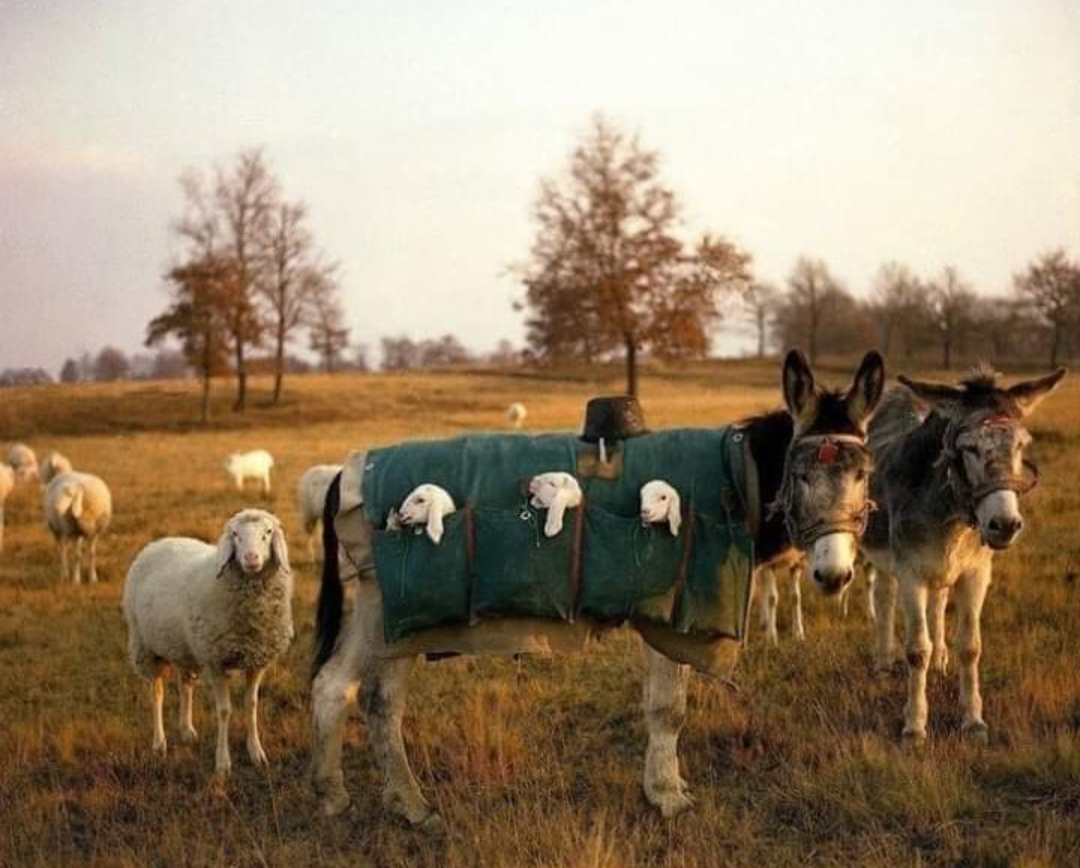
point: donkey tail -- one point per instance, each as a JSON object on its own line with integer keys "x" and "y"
{"x": 331, "y": 593}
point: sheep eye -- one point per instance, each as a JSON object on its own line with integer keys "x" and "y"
{"x": 663, "y": 497}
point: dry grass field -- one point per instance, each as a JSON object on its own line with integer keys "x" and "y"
{"x": 531, "y": 765}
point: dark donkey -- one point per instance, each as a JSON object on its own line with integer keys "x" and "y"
{"x": 812, "y": 469}
{"x": 949, "y": 469}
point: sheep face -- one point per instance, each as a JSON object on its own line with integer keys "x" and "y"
{"x": 660, "y": 502}
{"x": 253, "y": 538}
{"x": 555, "y": 492}
{"x": 425, "y": 507}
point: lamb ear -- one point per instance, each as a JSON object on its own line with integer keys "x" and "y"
{"x": 553, "y": 524}
{"x": 280, "y": 548}
{"x": 435, "y": 522}
{"x": 674, "y": 515}
{"x": 225, "y": 549}
{"x": 940, "y": 396}
{"x": 866, "y": 389}
{"x": 1029, "y": 394}
{"x": 800, "y": 392}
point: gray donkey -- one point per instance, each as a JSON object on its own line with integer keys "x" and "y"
{"x": 949, "y": 468}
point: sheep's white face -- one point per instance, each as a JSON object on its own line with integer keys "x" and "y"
{"x": 546, "y": 488}
{"x": 425, "y": 507}
{"x": 660, "y": 502}
{"x": 252, "y": 543}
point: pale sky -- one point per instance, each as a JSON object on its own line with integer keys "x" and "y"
{"x": 926, "y": 131}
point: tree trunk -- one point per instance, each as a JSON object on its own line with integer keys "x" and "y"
{"x": 947, "y": 352}
{"x": 279, "y": 361}
{"x": 206, "y": 397}
{"x": 631, "y": 367}
{"x": 762, "y": 328}
{"x": 1055, "y": 345}
{"x": 813, "y": 337}
{"x": 241, "y": 378}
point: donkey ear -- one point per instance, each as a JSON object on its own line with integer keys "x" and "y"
{"x": 800, "y": 393}
{"x": 280, "y": 548}
{"x": 674, "y": 513}
{"x": 225, "y": 549}
{"x": 866, "y": 389}
{"x": 941, "y": 396}
{"x": 1029, "y": 394}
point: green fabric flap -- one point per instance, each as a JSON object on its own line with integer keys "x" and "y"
{"x": 622, "y": 569}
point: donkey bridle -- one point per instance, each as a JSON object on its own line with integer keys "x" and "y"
{"x": 804, "y": 533}
{"x": 956, "y": 478}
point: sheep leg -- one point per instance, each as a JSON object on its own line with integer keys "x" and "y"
{"x": 871, "y": 591}
{"x": 665, "y": 711}
{"x": 219, "y": 683}
{"x": 770, "y": 600}
{"x": 939, "y": 658}
{"x": 157, "y": 691}
{"x": 266, "y": 485}
{"x": 383, "y": 697}
{"x": 62, "y": 548}
{"x": 797, "y": 629}
{"x": 77, "y": 579}
{"x": 251, "y": 717}
{"x": 186, "y": 725}
{"x": 93, "y": 560}
{"x": 842, "y": 600}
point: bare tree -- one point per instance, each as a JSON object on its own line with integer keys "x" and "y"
{"x": 607, "y": 270}
{"x": 813, "y": 293}
{"x": 70, "y": 372}
{"x": 287, "y": 251}
{"x": 952, "y": 304}
{"x": 110, "y": 365}
{"x": 1051, "y": 285}
{"x": 329, "y": 336}
{"x": 760, "y": 303}
{"x": 900, "y": 309}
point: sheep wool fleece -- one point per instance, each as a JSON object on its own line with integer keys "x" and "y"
{"x": 604, "y": 566}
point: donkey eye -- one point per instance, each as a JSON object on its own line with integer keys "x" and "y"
{"x": 860, "y": 475}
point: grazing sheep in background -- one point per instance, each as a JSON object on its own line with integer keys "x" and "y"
{"x": 426, "y": 506}
{"x": 7, "y": 483}
{"x": 516, "y": 414}
{"x": 311, "y": 496}
{"x": 77, "y": 505}
{"x": 23, "y": 461}
{"x": 555, "y": 492}
{"x": 250, "y": 465}
{"x": 53, "y": 465}
{"x": 660, "y": 502}
{"x": 196, "y": 609}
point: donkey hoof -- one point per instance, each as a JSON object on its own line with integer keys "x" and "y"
{"x": 433, "y": 824}
{"x": 672, "y": 802}
{"x": 333, "y": 806}
{"x": 914, "y": 738}
{"x": 976, "y": 732}
{"x": 188, "y": 735}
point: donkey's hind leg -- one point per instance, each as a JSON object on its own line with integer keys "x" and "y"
{"x": 384, "y": 690}
{"x": 885, "y": 606}
{"x": 665, "y": 711}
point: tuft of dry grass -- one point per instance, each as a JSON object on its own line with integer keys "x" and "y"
{"x": 537, "y": 763}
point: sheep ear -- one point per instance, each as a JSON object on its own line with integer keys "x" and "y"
{"x": 435, "y": 522}
{"x": 225, "y": 549}
{"x": 280, "y": 548}
{"x": 553, "y": 524}
{"x": 77, "y": 502}
{"x": 674, "y": 514}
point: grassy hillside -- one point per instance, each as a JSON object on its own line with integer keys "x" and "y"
{"x": 537, "y": 764}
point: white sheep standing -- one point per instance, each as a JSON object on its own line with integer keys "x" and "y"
{"x": 661, "y": 502}
{"x": 516, "y": 414}
{"x": 23, "y": 461}
{"x": 195, "y": 609}
{"x": 555, "y": 492}
{"x": 79, "y": 506}
{"x": 255, "y": 464}
{"x": 311, "y": 497}
{"x": 424, "y": 510}
{"x": 7, "y": 483}
{"x": 54, "y": 464}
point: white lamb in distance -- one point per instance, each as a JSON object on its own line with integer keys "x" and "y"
{"x": 7, "y": 483}
{"x": 79, "y": 506}
{"x": 311, "y": 497}
{"x": 516, "y": 414}
{"x": 660, "y": 502}
{"x": 256, "y": 465}
{"x": 424, "y": 510}
{"x": 53, "y": 465}
{"x": 195, "y": 609}
{"x": 555, "y": 492}
{"x": 23, "y": 461}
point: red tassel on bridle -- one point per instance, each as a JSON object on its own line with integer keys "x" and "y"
{"x": 827, "y": 452}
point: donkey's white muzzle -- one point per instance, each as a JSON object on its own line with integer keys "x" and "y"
{"x": 832, "y": 562}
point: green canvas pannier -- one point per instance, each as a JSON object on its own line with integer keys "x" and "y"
{"x": 604, "y": 566}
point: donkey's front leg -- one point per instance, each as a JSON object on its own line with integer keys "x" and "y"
{"x": 885, "y": 607}
{"x": 332, "y": 692}
{"x": 939, "y": 657}
{"x": 384, "y": 690}
{"x": 914, "y": 596}
{"x": 970, "y": 595}
{"x": 665, "y": 711}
